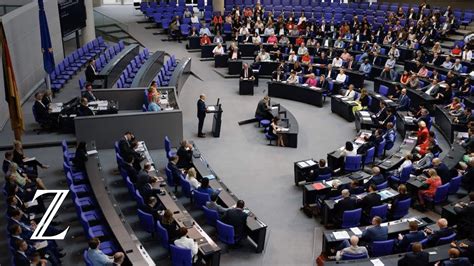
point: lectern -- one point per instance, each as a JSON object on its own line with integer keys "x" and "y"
{"x": 221, "y": 60}
{"x": 246, "y": 86}
{"x": 217, "y": 118}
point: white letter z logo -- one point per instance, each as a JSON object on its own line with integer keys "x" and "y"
{"x": 60, "y": 196}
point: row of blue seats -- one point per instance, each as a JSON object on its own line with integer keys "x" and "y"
{"x": 103, "y": 59}
{"x": 88, "y": 212}
{"x": 171, "y": 11}
{"x": 128, "y": 74}
{"x": 70, "y": 65}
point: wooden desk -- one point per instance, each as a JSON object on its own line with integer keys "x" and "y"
{"x": 296, "y": 92}
{"x": 113, "y": 216}
{"x": 207, "y": 247}
{"x": 256, "y": 229}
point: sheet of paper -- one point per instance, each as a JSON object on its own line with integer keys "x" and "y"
{"x": 310, "y": 162}
{"x": 356, "y": 231}
{"x": 433, "y": 252}
{"x": 91, "y": 152}
{"x": 211, "y": 108}
{"x": 40, "y": 245}
{"x": 377, "y": 262}
{"x": 364, "y": 113}
{"x": 31, "y": 203}
{"x": 341, "y": 235}
{"x": 302, "y": 164}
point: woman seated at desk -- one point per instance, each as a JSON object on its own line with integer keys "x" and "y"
{"x": 154, "y": 106}
{"x": 306, "y": 59}
{"x": 348, "y": 150}
{"x": 311, "y": 80}
{"x": 275, "y": 130}
{"x": 455, "y": 107}
{"x": 297, "y": 68}
{"x": 402, "y": 195}
{"x": 362, "y": 102}
{"x": 428, "y": 189}
{"x": 191, "y": 178}
{"x": 205, "y": 40}
{"x": 293, "y": 78}
{"x": 168, "y": 222}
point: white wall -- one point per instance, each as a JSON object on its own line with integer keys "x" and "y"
{"x": 23, "y": 36}
{"x": 15, "y": 2}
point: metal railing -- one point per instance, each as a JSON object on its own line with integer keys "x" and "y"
{"x": 101, "y": 20}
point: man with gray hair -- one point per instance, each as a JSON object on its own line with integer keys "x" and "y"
{"x": 345, "y": 204}
{"x": 434, "y": 236}
{"x": 353, "y": 249}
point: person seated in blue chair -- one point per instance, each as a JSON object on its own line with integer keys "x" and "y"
{"x": 154, "y": 106}
{"x": 455, "y": 259}
{"x": 374, "y": 232}
{"x": 205, "y": 188}
{"x": 188, "y": 243}
{"x": 353, "y": 249}
{"x": 347, "y": 203}
{"x": 97, "y": 257}
{"x": 237, "y": 218}
{"x": 213, "y": 205}
{"x": 416, "y": 257}
{"x": 83, "y": 109}
{"x": 377, "y": 177}
{"x": 403, "y": 101}
{"x": 414, "y": 235}
{"x": 175, "y": 171}
{"x": 321, "y": 170}
{"x": 389, "y": 136}
{"x": 402, "y": 195}
{"x": 434, "y": 236}
{"x": 370, "y": 200}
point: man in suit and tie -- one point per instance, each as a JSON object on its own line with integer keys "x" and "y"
{"x": 414, "y": 235}
{"x": 237, "y": 218}
{"x": 84, "y": 109}
{"x": 91, "y": 73}
{"x": 201, "y": 114}
{"x": 444, "y": 231}
{"x": 403, "y": 101}
{"x": 382, "y": 113}
{"x": 145, "y": 181}
{"x": 416, "y": 257}
{"x": 264, "y": 111}
{"x": 455, "y": 260}
{"x": 323, "y": 83}
{"x": 88, "y": 94}
{"x": 126, "y": 149}
{"x": 375, "y": 232}
{"x": 246, "y": 73}
{"x": 41, "y": 111}
{"x": 347, "y": 203}
{"x": 278, "y": 75}
{"x": 130, "y": 169}
{"x": 370, "y": 200}
{"x": 47, "y": 97}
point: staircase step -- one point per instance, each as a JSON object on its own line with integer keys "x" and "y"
{"x": 129, "y": 41}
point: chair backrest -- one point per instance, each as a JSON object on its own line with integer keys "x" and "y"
{"x": 401, "y": 208}
{"x": 139, "y": 198}
{"x": 351, "y": 218}
{"x": 181, "y": 256}
{"x": 381, "y": 148}
{"x": 369, "y": 157}
{"x": 446, "y": 239}
{"x": 348, "y": 256}
{"x": 454, "y": 184}
{"x": 130, "y": 185}
{"x": 162, "y": 234}
{"x": 167, "y": 145}
{"x": 147, "y": 222}
{"x": 86, "y": 258}
{"x": 200, "y": 198}
{"x": 169, "y": 177}
{"x": 383, "y": 90}
{"x": 353, "y": 163}
{"x": 441, "y": 193}
{"x": 405, "y": 175}
{"x": 186, "y": 187}
{"x": 211, "y": 215}
{"x": 382, "y": 248}
{"x": 380, "y": 211}
{"x": 225, "y": 233}
{"x": 383, "y": 185}
{"x": 323, "y": 177}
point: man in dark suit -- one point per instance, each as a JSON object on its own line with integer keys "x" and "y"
{"x": 84, "y": 109}
{"x": 88, "y": 94}
{"x": 434, "y": 236}
{"x": 465, "y": 214}
{"x": 201, "y": 114}
{"x": 322, "y": 169}
{"x": 41, "y": 111}
{"x": 246, "y": 73}
{"x": 455, "y": 260}
{"x": 382, "y": 113}
{"x": 403, "y": 101}
{"x": 323, "y": 83}
{"x": 20, "y": 257}
{"x": 278, "y": 75}
{"x": 175, "y": 171}
{"x": 152, "y": 206}
{"x": 418, "y": 257}
{"x": 345, "y": 204}
{"x": 237, "y": 218}
{"x": 375, "y": 232}
{"x": 129, "y": 168}
{"x": 412, "y": 236}
{"x": 126, "y": 148}
{"x": 370, "y": 200}
{"x": 91, "y": 73}
{"x": 47, "y": 97}
{"x": 442, "y": 170}
{"x": 263, "y": 110}
{"x": 377, "y": 177}
{"x": 145, "y": 181}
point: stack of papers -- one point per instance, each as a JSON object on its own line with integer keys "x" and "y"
{"x": 91, "y": 152}
{"x": 377, "y": 262}
{"x": 302, "y": 164}
{"x": 341, "y": 235}
{"x": 364, "y": 113}
{"x": 211, "y": 108}
{"x": 210, "y": 177}
{"x": 310, "y": 162}
{"x": 356, "y": 231}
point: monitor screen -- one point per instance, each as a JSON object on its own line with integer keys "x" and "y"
{"x": 72, "y": 15}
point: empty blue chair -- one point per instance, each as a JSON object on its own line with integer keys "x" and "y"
{"x": 169, "y": 177}
{"x": 98, "y": 231}
{"x": 162, "y": 235}
{"x": 347, "y": 256}
{"x": 382, "y": 186}
{"x": 225, "y": 233}
{"x": 168, "y": 150}
{"x": 200, "y": 198}
{"x": 130, "y": 185}
{"x": 147, "y": 222}
{"x": 181, "y": 256}
{"x": 401, "y": 209}
{"x": 454, "y": 184}
{"x": 404, "y": 175}
{"x": 369, "y": 156}
{"x": 351, "y": 218}
{"x": 380, "y": 211}
{"x": 353, "y": 163}
{"x": 211, "y": 215}
{"x": 186, "y": 187}
{"x": 383, "y": 90}
{"x": 446, "y": 239}
{"x": 382, "y": 248}
{"x": 381, "y": 149}
{"x": 440, "y": 196}
{"x": 139, "y": 198}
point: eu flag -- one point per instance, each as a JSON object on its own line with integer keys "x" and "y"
{"x": 46, "y": 46}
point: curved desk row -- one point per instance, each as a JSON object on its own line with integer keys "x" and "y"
{"x": 290, "y": 136}
{"x": 296, "y": 92}
{"x": 256, "y": 229}
{"x": 209, "y": 250}
{"x": 115, "y": 67}
{"x": 444, "y": 122}
{"x": 149, "y": 70}
{"x": 180, "y": 74}
{"x": 113, "y": 216}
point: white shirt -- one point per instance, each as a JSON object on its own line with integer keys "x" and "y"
{"x": 467, "y": 56}
{"x": 337, "y": 62}
{"x": 193, "y": 181}
{"x": 302, "y": 50}
{"x": 292, "y": 79}
{"x": 194, "y": 19}
{"x": 405, "y": 163}
{"x": 292, "y": 58}
{"x": 218, "y": 50}
{"x": 187, "y": 243}
{"x": 350, "y": 94}
{"x": 390, "y": 63}
{"x": 341, "y": 77}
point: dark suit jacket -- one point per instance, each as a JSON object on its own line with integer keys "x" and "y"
{"x": 377, "y": 179}
{"x": 249, "y": 73}
{"x": 443, "y": 172}
{"x": 90, "y": 75}
{"x": 345, "y": 204}
{"x": 89, "y": 95}
{"x": 323, "y": 85}
{"x": 21, "y": 260}
{"x": 462, "y": 261}
{"x": 175, "y": 172}
{"x": 201, "y": 108}
{"x": 238, "y": 219}
{"x": 131, "y": 172}
{"x": 375, "y": 233}
{"x": 465, "y": 220}
{"x": 404, "y": 103}
{"x": 185, "y": 158}
{"x": 275, "y": 76}
{"x": 369, "y": 201}
{"x": 41, "y": 112}
{"x": 126, "y": 149}
{"x": 419, "y": 259}
{"x": 5, "y": 166}
{"x": 84, "y": 111}
{"x": 409, "y": 238}
{"x": 46, "y": 100}
{"x": 436, "y": 235}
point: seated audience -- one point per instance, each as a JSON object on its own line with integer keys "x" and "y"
{"x": 414, "y": 235}
{"x": 353, "y": 249}
{"x": 434, "y": 236}
{"x": 237, "y": 218}
{"x": 97, "y": 257}
{"x": 416, "y": 257}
